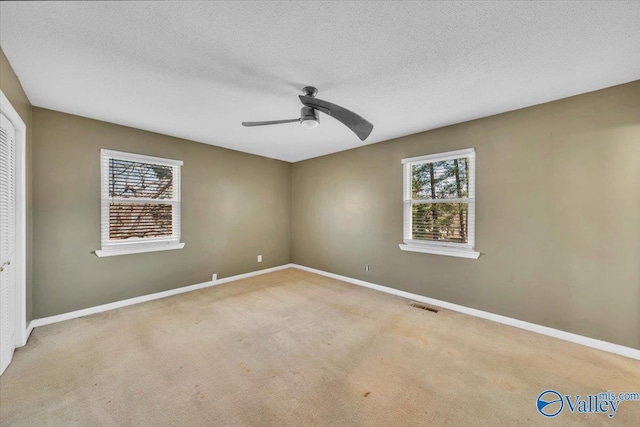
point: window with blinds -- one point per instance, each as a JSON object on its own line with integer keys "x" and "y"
{"x": 140, "y": 203}
{"x": 439, "y": 201}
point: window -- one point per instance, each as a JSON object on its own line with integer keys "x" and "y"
{"x": 140, "y": 209}
{"x": 439, "y": 204}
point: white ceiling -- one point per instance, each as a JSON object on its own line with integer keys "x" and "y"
{"x": 197, "y": 69}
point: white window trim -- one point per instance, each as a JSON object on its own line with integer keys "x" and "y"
{"x": 136, "y": 246}
{"x": 463, "y": 250}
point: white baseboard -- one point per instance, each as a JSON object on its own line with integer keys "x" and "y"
{"x": 144, "y": 298}
{"x": 556, "y": 333}
{"x": 27, "y": 334}
{"x": 22, "y": 339}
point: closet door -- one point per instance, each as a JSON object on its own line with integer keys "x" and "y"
{"x": 7, "y": 241}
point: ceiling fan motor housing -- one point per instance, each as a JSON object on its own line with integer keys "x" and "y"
{"x": 309, "y": 117}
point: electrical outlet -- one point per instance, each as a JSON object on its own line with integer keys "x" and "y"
{"x": 259, "y": 258}
{"x": 214, "y": 277}
{"x": 366, "y": 268}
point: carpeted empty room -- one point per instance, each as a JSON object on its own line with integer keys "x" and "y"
{"x": 294, "y": 348}
{"x": 336, "y": 213}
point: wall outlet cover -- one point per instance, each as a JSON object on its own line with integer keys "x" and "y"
{"x": 214, "y": 277}
{"x": 259, "y": 258}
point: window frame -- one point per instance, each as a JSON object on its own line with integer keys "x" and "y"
{"x": 137, "y": 244}
{"x": 464, "y": 250}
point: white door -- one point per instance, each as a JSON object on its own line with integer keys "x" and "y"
{"x": 7, "y": 241}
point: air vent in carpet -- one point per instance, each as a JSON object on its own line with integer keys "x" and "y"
{"x": 422, "y": 306}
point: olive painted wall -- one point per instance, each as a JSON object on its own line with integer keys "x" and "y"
{"x": 557, "y": 222}
{"x": 12, "y": 89}
{"x": 234, "y": 207}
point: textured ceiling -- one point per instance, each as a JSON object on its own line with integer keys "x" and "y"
{"x": 197, "y": 69}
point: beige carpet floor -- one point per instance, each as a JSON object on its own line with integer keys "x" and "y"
{"x": 294, "y": 349}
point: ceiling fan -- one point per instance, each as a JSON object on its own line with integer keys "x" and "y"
{"x": 309, "y": 115}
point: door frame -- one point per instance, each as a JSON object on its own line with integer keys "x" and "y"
{"x": 21, "y": 332}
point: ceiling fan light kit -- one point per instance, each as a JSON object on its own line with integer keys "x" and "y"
{"x": 309, "y": 117}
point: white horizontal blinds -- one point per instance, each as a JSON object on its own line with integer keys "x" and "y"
{"x": 138, "y": 194}
{"x": 140, "y": 199}
{"x": 439, "y": 199}
{"x": 137, "y": 180}
{"x": 132, "y": 220}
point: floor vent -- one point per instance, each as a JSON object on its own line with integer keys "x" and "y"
{"x": 423, "y": 307}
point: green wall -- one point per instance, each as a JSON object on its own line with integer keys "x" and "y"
{"x": 234, "y": 207}
{"x": 558, "y": 202}
{"x": 557, "y": 215}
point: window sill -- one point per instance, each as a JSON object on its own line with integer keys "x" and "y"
{"x": 138, "y": 250}
{"x": 462, "y": 253}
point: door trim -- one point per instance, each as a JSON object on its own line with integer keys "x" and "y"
{"x": 21, "y": 333}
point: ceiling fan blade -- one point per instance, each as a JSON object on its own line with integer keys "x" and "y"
{"x": 273, "y": 122}
{"x": 356, "y": 123}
